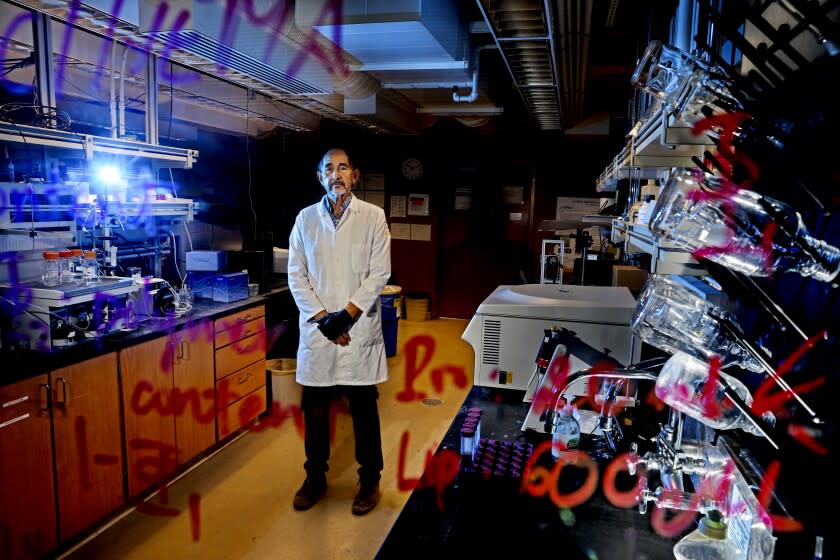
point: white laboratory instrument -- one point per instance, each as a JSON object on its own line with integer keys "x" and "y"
{"x": 509, "y": 324}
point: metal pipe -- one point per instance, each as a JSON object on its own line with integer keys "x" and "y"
{"x": 564, "y": 50}
{"x": 121, "y": 113}
{"x": 152, "y": 99}
{"x": 473, "y": 95}
{"x": 113, "y": 102}
{"x": 585, "y": 59}
{"x": 682, "y": 38}
{"x": 45, "y": 77}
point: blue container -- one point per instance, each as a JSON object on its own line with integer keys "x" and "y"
{"x": 390, "y": 325}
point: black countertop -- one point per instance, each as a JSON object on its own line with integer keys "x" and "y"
{"x": 20, "y": 364}
{"x": 491, "y": 515}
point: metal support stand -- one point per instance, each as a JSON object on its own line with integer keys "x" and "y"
{"x": 551, "y": 261}
{"x": 152, "y": 99}
{"x": 44, "y": 69}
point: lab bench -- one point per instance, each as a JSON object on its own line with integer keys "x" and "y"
{"x": 90, "y": 429}
{"x": 20, "y": 364}
{"x": 487, "y": 515}
{"x": 474, "y": 514}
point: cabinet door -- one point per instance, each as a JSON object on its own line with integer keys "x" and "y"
{"x": 146, "y": 371}
{"x": 27, "y": 494}
{"x": 88, "y": 446}
{"x": 194, "y": 395}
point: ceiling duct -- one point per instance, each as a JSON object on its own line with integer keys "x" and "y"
{"x": 412, "y": 45}
{"x": 256, "y": 45}
{"x": 249, "y": 41}
{"x": 524, "y": 32}
{"x": 392, "y": 35}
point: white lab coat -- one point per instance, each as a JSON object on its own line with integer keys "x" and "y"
{"x": 329, "y": 266}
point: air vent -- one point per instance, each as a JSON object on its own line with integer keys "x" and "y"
{"x": 491, "y": 342}
{"x": 200, "y": 45}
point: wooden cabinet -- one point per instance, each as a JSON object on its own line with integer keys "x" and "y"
{"x": 88, "y": 442}
{"x": 27, "y": 494}
{"x": 169, "y": 404}
{"x": 195, "y": 421}
{"x": 240, "y": 369}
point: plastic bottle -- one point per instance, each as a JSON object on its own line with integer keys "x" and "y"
{"x": 566, "y": 434}
{"x": 708, "y": 541}
{"x": 90, "y": 268}
{"x": 647, "y": 209}
{"x": 51, "y": 271}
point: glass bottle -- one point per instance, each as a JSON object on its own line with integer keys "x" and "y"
{"x": 739, "y": 229}
{"x": 51, "y": 272}
{"x": 566, "y": 433}
{"x": 674, "y": 319}
{"x": 90, "y": 268}
{"x": 76, "y": 265}
{"x": 467, "y": 445}
{"x": 708, "y": 541}
{"x": 65, "y": 262}
{"x": 681, "y": 385}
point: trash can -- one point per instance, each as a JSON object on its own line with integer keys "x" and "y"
{"x": 390, "y": 303}
{"x": 416, "y": 306}
{"x": 285, "y": 390}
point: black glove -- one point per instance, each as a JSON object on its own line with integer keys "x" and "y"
{"x": 333, "y": 325}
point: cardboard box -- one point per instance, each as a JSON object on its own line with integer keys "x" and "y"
{"x": 206, "y": 261}
{"x": 201, "y": 284}
{"x": 230, "y": 287}
{"x": 218, "y": 287}
{"x": 632, "y": 277}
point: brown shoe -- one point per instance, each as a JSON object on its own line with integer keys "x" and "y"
{"x": 366, "y": 499}
{"x": 310, "y": 492}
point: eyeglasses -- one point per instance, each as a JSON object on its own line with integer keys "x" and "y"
{"x": 329, "y": 169}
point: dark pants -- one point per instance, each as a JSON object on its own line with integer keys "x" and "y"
{"x": 315, "y": 403}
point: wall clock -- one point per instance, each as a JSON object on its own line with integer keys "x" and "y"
{"x": 412, "y": 168}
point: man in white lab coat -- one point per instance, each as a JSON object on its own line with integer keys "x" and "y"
{"x": 339, "y": 263}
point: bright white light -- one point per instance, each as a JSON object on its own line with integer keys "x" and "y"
{"x": 109, "y": 175}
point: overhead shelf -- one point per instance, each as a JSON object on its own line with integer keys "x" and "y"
{"x": 163, "y": 156}
{"x": 659, "y": 144}
{"x": 667, "y": 257}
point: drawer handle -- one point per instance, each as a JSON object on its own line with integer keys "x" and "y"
{"x": 47, "y": 397}
{"x": 13, "y": 420}
{"x": 243, "y": 378}
{"x": 16, "y": 401}
{"x": 63, "y": 382}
